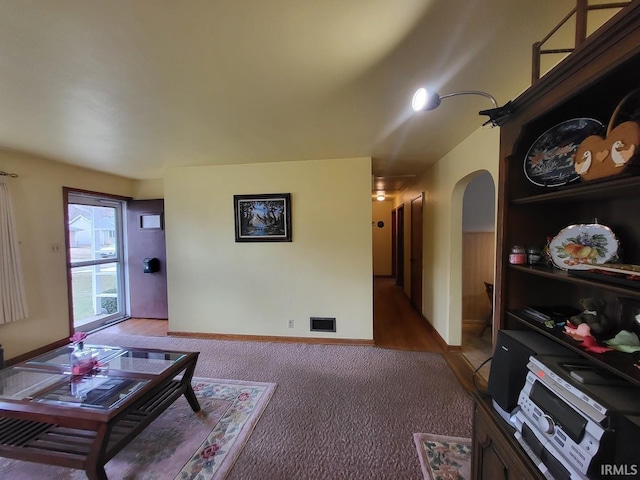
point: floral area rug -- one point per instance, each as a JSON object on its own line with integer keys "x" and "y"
{"x": 179, "y": 444}
{"x": 443, "y": 458}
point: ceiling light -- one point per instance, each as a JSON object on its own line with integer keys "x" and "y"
{"x": 380, "y": 197}
{"x": 424, "y": 99}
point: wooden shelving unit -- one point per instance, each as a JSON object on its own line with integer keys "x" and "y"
{"x": 589, "y": 83}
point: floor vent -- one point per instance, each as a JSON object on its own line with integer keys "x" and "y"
{"x": 323, "y": 324}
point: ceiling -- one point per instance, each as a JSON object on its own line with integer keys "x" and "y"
{"x": 134, "y": 87}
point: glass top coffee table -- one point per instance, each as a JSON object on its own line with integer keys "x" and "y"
{"x": 49, "y": 416}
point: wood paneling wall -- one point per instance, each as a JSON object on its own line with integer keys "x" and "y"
{"x": 478, "y": 252}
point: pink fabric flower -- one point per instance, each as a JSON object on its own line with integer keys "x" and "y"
{"x": 78, "y": 337}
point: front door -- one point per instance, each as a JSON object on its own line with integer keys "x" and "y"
{"x": 146, "y": 240}
{"x": 416, "y": 253}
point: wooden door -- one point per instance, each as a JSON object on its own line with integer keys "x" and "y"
{"x": 394, "y": 242}
{"x": 147, "y": 291}
{"x": 400, "y": 246}
{"x": 416, "y": 252}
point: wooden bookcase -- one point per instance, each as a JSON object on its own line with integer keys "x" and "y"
{"x": 589, "y": 83}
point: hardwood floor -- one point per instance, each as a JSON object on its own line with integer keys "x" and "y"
{"x": 396, "y": 325}
{"x": 140, "y": 326}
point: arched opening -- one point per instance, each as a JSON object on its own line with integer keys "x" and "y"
{"x": 478, "y": 266}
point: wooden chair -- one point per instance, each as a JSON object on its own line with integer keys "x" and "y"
{"x": 489, "y": 322}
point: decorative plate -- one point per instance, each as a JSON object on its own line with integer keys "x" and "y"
{"x": 550, "y": 160}
{"x": 577, "y": 246}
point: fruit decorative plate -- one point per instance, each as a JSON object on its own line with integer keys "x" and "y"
{"x": 550, "y": 160}
{"x": 579, "y": 245}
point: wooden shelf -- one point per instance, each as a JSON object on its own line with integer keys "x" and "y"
{"x": 597, "y": 190}
{"x": 563, "y": 276}
{"x": 619, "y": 363}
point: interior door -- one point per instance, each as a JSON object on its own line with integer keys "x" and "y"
{"x": 400, "y": 246}
{"x": 146, "y": 240}
{"x": 416, "y": 252}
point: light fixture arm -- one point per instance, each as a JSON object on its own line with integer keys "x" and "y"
{"x": 426, "y": 100}
{"x": 472, "y": 92}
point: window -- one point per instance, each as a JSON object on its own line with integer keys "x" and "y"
{"x": 96, "y": 268}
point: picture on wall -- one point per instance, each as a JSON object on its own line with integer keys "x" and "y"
{"x": 263, "y": 217}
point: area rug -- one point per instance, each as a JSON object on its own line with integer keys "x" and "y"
{"x": 443, "y": 458}
{"x": 179, "y": 444}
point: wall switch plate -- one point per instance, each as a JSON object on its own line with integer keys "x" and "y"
{"x": 290, "y": 323}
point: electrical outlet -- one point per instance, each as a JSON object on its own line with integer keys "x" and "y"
{"x": 290, "y": 323}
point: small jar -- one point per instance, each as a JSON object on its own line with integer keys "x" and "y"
{"x": 533, "y": 256}
{"x": 518, "y": 255}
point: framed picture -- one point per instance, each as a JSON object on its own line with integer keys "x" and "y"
{"x": 629, "y": 314}
{"x": 263, "y": 217}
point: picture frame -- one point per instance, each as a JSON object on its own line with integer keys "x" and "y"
{"x": 629, "y": 314}
{"x": 262, "y": 217}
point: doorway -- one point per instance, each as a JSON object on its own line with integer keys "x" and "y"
{"x": 478, "y": 267}
{"x": 147, "y": 259}
{"x": 397, "y": 243}
{"x": 95, "y": 258}
{"x": 416, "y": 252}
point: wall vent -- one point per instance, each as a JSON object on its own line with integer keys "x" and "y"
{"x": 323, "y": 324}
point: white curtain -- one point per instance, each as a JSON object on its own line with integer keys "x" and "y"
{"x": 13, "y": 300}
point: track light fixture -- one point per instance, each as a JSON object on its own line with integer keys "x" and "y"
{"x": 424, "y": 99}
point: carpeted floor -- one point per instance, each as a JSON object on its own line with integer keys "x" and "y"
{"x": 179, "y": 444}
{"x": 339, "y": 412}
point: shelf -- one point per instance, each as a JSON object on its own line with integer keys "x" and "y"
{"x": 622, "y": 364}
{"x": 563, "y": 276}
{"x": 627, "y": 186}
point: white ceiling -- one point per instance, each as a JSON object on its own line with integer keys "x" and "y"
{"x": 132, "y": 87}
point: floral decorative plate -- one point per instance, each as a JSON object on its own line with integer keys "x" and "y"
{"x": 550, "y": 160}
{"x": 577, "y": 246}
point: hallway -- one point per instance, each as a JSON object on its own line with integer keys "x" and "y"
{"x": 397, "y": 325}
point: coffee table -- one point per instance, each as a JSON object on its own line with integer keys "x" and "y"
{"x": 49, "y": 416}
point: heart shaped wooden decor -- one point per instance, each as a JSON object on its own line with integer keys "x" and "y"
{"x": 599, "y": 157}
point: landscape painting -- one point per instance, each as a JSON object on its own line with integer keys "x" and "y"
{"x": 263, "y": 217}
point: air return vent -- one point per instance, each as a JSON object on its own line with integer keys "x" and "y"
{"x": 323, "y": 324}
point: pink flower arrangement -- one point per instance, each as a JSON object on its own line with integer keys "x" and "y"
{"x": 78, "y": 337}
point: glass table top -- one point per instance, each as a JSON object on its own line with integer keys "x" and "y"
{"x": 93, "y": 391}
{"x": 121, "y": 371}
{"x": 61, "y": 356}
{"x": 20, "y": 383}
{"x": 118, "y": 358}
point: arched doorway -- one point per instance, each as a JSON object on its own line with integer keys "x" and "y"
{"x": 478, "y": 266}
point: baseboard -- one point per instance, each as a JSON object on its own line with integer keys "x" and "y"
{"x": 268, "y": 338}
{"x": 444, "y": 345}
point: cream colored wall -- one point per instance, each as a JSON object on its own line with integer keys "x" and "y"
{"x": 38, "y": 206}
{"x": 148, "y": 189}
{"x": 444, "y": 184}
{"x": 381, "y": 211}
{"x": 219, "y": 286}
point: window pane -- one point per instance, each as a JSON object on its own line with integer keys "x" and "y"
{"x": 95, "y": 292}
{"x": 92, "y": 232}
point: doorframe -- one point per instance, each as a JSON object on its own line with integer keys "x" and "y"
{"x": 417, "y": 302}
{"x": 398, "y": 254}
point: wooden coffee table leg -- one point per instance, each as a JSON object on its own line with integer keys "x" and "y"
{"x": 188, "y": 393}
{"x": 96, "y": 473}
{"x": 192, "y": 399}
{"x": 94, "y": 466}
